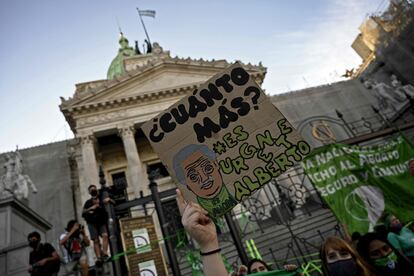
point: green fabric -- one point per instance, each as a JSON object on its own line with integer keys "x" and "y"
{"x": 404, "y": 241}
{"x": 361, "y": 183}
{"x": 218, "y": 205}
{"x": 194, "y": 259}
{"x": 387, "y": 260}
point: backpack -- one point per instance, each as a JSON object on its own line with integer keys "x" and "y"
{"x": 74, "y": 248}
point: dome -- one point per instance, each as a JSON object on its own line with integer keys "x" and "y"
{"x": 117, "y": 65}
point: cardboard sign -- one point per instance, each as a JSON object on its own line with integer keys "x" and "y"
{"x": 140, "y": 239}
{"x": 225, "y": 141}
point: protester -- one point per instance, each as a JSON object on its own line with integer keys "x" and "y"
{"x": 400, "y": 237}
{"x": 202, "y": 229}
{"x": 96, "y": 217}
{"x": 339, "y": 259}
{"x": 375, "y": 250}
{"x": 199, "y": 226}
{"x": 75, "y": 241}
{"x": 257, "y": 265}
{"x": 43, "y": 260}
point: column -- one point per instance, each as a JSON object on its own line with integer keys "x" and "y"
{"x": 90, "y": 166}
{"x": 136, "y": 174}
{"x": 88, "y": 176}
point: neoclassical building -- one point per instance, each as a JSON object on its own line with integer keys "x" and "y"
{"x": 106, "y": 115}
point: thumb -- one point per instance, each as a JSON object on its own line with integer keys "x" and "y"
{"x": 180, "y": 201}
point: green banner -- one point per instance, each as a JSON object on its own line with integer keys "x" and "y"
{"x": 361, "y": 183}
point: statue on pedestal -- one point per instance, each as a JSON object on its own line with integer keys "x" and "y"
{"x": 14, "y": 183}
{"x": 389, "y": 98}
{"x": 402, "y": 90}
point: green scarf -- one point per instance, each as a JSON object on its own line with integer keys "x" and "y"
{"x": 220, "y": 204}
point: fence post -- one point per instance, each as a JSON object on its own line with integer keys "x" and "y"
{"x": 236, "y": 238}
{"x": 112, "y": 227}
{"x": 157, "y": 201}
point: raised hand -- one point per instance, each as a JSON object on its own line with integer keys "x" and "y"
{"x": 197, "y": 223}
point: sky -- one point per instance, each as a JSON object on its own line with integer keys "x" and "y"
{"x": 47, "y": 46}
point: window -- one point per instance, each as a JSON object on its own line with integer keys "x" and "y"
{"x": 119, "y": 192}
{"x": 159, "y": 166}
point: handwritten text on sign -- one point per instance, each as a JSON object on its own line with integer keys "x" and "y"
{"x": 225, "y": 141}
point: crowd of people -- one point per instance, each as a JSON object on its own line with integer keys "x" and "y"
{"x": 388, "y": 251}
{"x": 44, "y": 259}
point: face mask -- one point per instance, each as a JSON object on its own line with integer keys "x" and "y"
{"x": 94, "y": 193}
{"x": 343, "y": 268}
{"x": 33, "y": 244}
{"x": 397, "y": 227}
{"x": 388, "y": 261}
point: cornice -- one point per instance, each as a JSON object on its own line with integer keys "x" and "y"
{"x": 134, "y": 99}
{"x": 89, "y": 89}
{"x": 79, "y": 105}
{"x": 139, "y": 98}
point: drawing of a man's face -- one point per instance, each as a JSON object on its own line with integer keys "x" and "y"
{"x": 202, "y": 175}
{"x": 196, "y": 168}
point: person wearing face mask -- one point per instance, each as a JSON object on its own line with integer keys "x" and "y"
{"x": 378, "y": 253}
{"x": 96, "y": 217}
{"x": 75, "y": 241}
{"x": 339, "y": 259}
{"x": 400, "y": 237}
{"x": 43, "y": 260}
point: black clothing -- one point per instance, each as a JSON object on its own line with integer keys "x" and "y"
{"x": 44, "y": 251}
{"x": 97, "y": 216}
{"x": 398, "y": 271}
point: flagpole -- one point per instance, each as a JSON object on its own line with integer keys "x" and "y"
{"x": 143, "y": 25}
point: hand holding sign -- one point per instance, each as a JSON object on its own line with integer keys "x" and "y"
{"x": 225, "y": 141}
{"x": 202, "y": 229}
{"x": 197, "y": 223}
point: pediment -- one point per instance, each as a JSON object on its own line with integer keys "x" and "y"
{"x": 158, "y": 79}
{"x": 163, "y": 76}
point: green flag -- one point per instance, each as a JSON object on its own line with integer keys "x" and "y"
{"x": 361, "y": 183}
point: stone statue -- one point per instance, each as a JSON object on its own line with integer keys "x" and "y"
{"x": 149, "y": 47}
{"x": 386, "y": 95}
{"x": 14, "y": 182}
{"x": 402, "y": 90}
{"x": 156, "y": 48}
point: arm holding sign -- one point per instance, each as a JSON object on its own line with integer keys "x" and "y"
{"x": 202, "y": 229}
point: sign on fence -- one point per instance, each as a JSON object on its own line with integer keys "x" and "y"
{"x": 361, "y": 183}
{"x": 140, "y": 241}
{"x": 225, "y": 141}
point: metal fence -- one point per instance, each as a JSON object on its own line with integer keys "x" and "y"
{"x": 286, "y": 221}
